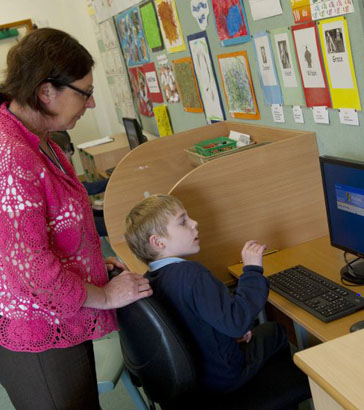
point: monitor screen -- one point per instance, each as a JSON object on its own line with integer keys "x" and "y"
{"x": 343, "y": 182}
{"x": 133, "y": 132}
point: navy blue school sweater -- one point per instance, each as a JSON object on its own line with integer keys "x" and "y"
{"x": 214, "y": 317}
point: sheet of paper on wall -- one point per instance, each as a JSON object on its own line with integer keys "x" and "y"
{"x": 335, "y": 45}
{"x": 287, "y": 67}
{"x": 298, "y": 114}
{"x": 206, "y": 77}
{"x": 103, "y": 10}
{"x": 314, "y": 82}
{"x": 162, "y": 59}
{"x": 320, "y": 115}
{"x": 348, "y": 116}
{"x": 277, "y": 113}
{"x": 262, "y": 9}
{"x": 311, "y": 10}
{"x": 267, "y": 69}
{"x": 163, "y": 122}
{"x": 152, "y": 82}
{"x": 200, "y": 11}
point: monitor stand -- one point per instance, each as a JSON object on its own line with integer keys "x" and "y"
{"x": 355, "y": 270}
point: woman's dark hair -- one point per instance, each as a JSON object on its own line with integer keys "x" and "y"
{"x": 43, "y": 53}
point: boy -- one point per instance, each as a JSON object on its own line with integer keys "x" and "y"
{"x": 160, "y": 232}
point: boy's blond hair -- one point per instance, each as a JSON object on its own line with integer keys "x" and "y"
{"x": 149, "y": 217}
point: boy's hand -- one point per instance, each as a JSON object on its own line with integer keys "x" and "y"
{"x": 252, "y": 253}
{"x": 246, "y": 338}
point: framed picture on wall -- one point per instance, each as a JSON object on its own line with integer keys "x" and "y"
{"x": 231, "y": 23}
{"x": 187, "y": 85}
{"x": 238, "y": 85}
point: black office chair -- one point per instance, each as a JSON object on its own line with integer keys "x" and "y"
{"x": 160, "y": 356}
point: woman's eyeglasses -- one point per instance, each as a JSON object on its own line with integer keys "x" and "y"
{"x": 55, "y": 81}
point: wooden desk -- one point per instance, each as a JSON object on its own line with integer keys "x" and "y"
{"x": 336, "y": 373}
{"x": 322, "y": 258}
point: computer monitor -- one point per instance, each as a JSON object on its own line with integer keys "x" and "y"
{"x": 343, "y": 183}
{"x": 133, "y": 132}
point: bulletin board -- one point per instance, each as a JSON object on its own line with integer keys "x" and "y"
{"x": 334, "y": 138}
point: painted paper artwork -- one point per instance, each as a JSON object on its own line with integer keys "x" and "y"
{"x": 169, "y": 84}
{"x": 231, "y": 22}
{"x": 141, "y": 91}
{"x": 163, "y": 122}
{"x": 200, "y": 11}
{"x": 206, "y": 77}
{"x": 238, "y": 86}
{"x": 151, "y": 27}
{"x": 170, "y": 25}
{"x": 335, "y": 45}
{"x": 152, "y": 82}
{"x": 131, "y": 37}
{"x": 187, "y": 85}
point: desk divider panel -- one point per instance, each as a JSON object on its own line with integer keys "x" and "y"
{"x": 271, "y": 193}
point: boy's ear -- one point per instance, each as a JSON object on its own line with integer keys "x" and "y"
{"x": 156, "y": 242}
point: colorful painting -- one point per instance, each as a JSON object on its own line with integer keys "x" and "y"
{"x": 131, "y": 37}
{"x": 151, "y": 27}
{"x": 162, "y": 118}
{"x": 169, "y": 84}
{"x": 206, "y": 77}
{"x": 187, "y": 85}
{"x": 238, "y": 86}
{"x": 140, "y": 90}
{"x": 170, "y": 25}
{"x": 231, "y": 22}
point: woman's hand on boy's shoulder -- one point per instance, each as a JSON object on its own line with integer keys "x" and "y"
{"x": 252, "y": 253}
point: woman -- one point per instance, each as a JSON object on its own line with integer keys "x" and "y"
{"x": 55, "y": 296}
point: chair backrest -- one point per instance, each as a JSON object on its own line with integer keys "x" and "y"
{"x": 157, "y": 350}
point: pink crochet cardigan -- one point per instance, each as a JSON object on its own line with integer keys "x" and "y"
{"x": 49, "y": 248}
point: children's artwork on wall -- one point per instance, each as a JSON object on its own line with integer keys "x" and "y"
{"x": 231, "y": 22}
{"x": 200, "y": 11}
{"x": 267, "y": 69}
{"x": 163, "y": 122}
{"x": 262, "y": 9}
{"x": 169, "y": 84}
{"x": 152, "y": 82}
{"x": 310, "y": 10}
{"x": 287, "y": 67}
{"x": 238, "y": 85}
{"x": 141, "y": 91}
{"x": 187, "y": 85}
{"x": 170, "y": 25}
{"x": 335, "y": 45}
{"x": 131, "y": 37}
{"x": 151, "y": 27}
{"x": 206, "y": 77}
{"x": 310, "y": 63}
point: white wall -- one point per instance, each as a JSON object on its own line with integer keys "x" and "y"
{"x": 72, "y": 17}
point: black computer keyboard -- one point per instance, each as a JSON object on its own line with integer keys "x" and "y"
{"x": 321, "y": 297}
